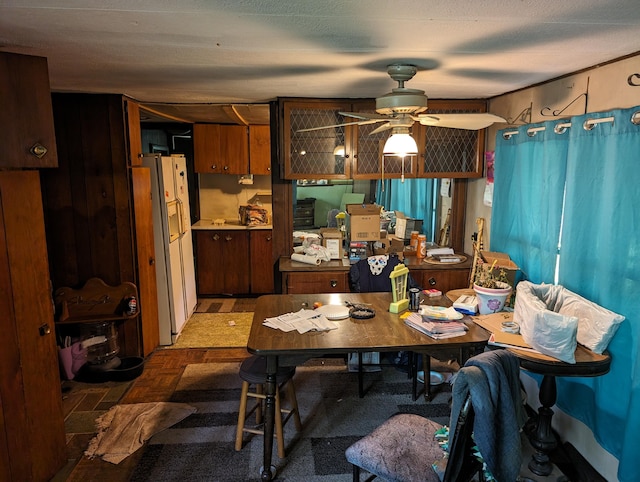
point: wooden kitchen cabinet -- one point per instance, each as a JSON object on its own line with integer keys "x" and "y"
{"x": 442, "y": 152}
{"x": 223, "y": 265}
{"x": 32, "y": 432}
{"x": 262, "y": 262}
{"x": 28, "y": 135}
{"x": 220, "y": 149}
{"x": 260, "y": 150}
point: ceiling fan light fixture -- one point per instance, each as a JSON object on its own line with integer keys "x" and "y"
{"x": 400, "y": 143}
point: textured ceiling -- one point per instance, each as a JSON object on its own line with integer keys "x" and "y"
{"x": 252, "y": 51}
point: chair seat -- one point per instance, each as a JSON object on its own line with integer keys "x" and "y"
{"x": 254, "y": 368}
{"x": 402, "y": 449}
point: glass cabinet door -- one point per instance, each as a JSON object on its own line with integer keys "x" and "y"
{"x": 322, "y": 153}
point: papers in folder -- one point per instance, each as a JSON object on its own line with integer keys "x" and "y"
{"x": 301, "y": 321}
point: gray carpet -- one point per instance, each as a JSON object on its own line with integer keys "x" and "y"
{"x": 201, "y": 447}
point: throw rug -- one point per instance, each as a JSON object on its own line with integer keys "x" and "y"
{"x": 215, "y": 330}
{"x": 201, "y": 447}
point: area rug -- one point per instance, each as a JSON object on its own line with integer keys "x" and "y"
{"x": 215, "y": 330}
{"x": 201, "y": 447}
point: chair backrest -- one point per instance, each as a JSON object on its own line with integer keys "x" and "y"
{"x": 462, "y": 464}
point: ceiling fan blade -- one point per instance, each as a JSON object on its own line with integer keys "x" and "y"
{"x": 365, "y": 116}
{"x": 471, "y": 121}
{"x": 309, "y": 129}
{"x": 383, "y": 127}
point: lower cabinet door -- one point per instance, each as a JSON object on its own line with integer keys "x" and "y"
{"x": 223, "y": 262}
{"x": 262, "y": 263}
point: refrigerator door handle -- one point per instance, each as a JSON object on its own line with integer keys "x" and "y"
{"x": 181, "y": 219}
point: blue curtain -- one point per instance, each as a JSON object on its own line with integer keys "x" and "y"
{"x": 599, "y": 257}
{"x": 527, "y": 203}
{"x": 414, "y": 197}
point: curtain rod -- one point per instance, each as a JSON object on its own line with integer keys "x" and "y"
{"x": 563, "y": 126}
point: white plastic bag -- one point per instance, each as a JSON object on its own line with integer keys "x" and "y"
{"x": 553, "y": 320}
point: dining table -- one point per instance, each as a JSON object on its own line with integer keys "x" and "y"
{"x": 384, "y": 332}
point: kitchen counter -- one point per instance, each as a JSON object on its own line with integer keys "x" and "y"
{"x": 207, "y": 224}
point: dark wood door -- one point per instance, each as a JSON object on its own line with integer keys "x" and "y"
{"x": 145, "y": 253}
{"x": 28, "y": 135}
{"x": 262, "y": 262}
{"x": 30, "y": 396}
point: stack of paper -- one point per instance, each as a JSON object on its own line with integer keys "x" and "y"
{"x": 436, "y": 329}
{"x": 301, "y": 321}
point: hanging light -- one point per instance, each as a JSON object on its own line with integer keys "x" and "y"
{"x": 400, "y": 143}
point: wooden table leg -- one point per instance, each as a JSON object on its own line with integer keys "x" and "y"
{"x": 542, "y": 438}
{"x": 269, "y": 419}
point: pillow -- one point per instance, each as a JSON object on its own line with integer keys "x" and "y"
{"x": 596, "y": 325}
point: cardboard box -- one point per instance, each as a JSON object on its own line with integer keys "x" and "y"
{"x": 363, "y": 222}
{"x": 503, "y": 261}
{"x": 332, "y": 240}
{"x": 405, "y": 225}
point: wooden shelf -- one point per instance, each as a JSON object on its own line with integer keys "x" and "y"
{"x": 95, "y": 302}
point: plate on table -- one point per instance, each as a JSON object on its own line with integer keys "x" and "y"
{"x": 334, "y": 312}
{"x": 436, "y": 378}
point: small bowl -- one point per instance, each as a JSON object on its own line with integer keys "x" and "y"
{"x": 435, "y": 378}
{"x": 130, "y": 367}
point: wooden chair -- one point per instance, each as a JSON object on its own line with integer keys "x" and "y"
{"x": 253, "y": 372}
{"x": 404, "y": 448}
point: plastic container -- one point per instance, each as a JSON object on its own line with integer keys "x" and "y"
{"x": 422, "y": 246}
{"x": 100, "y": 340}
{"x": 414, "y": 241}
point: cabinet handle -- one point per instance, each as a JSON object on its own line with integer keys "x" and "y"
{"x": 432, "y": 281}
{"x": 333, "y": 283}
{"x": 228, "y": 238}
{"x": 346, "y": 156}
{"x": 214, "y": 167}
{"x": 268, "y": 238}
{"x": 226, "y": 168}
{"x": 44, "y": 330}
{"x": 38, "y": 150}
{"x": 152, "y": 261}
{"x": 269, "y": 169}
{"x": 215, "y": 237}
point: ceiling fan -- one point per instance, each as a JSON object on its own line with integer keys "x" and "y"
{"x": 400, "y": 108}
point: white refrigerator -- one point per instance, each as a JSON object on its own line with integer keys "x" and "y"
{"x": 174, "y": 262}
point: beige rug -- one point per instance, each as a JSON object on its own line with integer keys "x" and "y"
{"x": 215, "y": 330}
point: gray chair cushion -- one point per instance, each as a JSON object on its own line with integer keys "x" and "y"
{"x": 402, "y": 449}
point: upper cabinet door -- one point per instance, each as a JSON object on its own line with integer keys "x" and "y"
{"x": 446, "y": 152}
{"x": 260, "y": 150}
{"x": 26, "y": 116}
{"x": 206, "y": 148}
{"x": 221, "y": 149}
{"x": 234, "y": 149}
{"x": 316, "y": 154}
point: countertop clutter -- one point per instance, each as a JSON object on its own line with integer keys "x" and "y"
{"x": 227, "y": 224}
